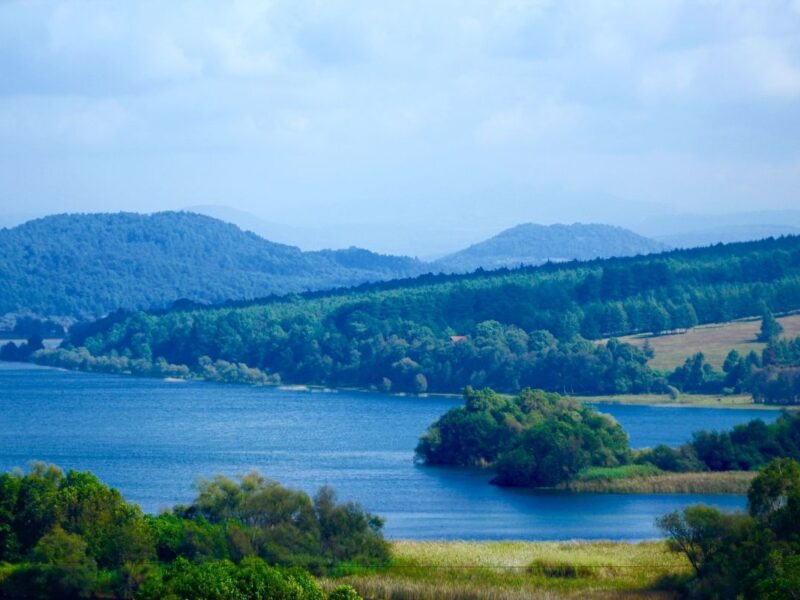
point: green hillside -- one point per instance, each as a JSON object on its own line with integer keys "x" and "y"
{"x": 507, "y": 329}
{"x": 86, "y": 265}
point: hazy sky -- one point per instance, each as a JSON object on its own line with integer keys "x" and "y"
{"x": 470, "y": 115}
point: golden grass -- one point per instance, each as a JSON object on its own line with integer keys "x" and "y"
{"x": 516, "y": 570}
{"x": 715, "y": 341}
{"x": 726, "y": 482}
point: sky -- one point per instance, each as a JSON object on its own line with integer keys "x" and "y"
{"x": 385, "y": 123}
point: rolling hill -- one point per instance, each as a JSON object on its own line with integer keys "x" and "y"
{"x": 508, "y": 329}
{"x": 82, "y": 266}
{"x": 531, "y": 244}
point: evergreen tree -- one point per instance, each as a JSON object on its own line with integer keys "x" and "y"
{"x": 770, "y": 328}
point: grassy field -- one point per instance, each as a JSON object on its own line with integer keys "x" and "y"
{"x": 687, "y": 400}
{"x": 715, "y": 341}
{"x": 646, "y": 479}
{"x": 517, "y": 570}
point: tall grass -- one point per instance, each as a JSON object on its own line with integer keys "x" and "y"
{"x": 516, "y": 570}
{"x": 707, "y": 482}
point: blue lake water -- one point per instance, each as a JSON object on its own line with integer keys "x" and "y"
{"x": 151, "y": 439}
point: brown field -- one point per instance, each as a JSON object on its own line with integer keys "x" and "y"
{"x": 715, "y": 341}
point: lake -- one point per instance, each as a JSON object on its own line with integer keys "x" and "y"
{"x": 151, "y": 439}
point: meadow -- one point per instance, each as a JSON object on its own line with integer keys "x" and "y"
{"x": 517, "y": 570}
{"x": 714, "y": 341}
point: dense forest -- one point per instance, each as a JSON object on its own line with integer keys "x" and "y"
{"x": 85, "y": 265}
{"x": 70, "y": 536}
{"x": 541, "y": 439}
{"x": 506, "y": 329}
{"x": 531, "y": 244}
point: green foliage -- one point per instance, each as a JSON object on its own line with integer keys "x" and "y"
{"x": 754, "y": 555}
{"x": 770, "y": 328}
{"x": 746, "y": 447}
{"x": 535, "y": 439}
{"x": 344, "y": 592}
{"x": 70, "y": 536}
{"x": 252, "y": 579}
{"x": 505, "y": 329}
{"x": 616, "y": 473}
{"x": 283, "y": 526}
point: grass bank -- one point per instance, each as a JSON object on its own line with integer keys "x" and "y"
{"x": 686, "y": 400}
{"x": 647, "y": 479}
{"x": 517, "y": 570}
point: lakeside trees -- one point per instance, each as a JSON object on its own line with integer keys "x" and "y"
{"x": 749, "y": 555}
{"x": 70, "y": 536}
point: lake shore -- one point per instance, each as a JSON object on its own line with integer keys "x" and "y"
{"x": 737, "y": 401}
{"x": 515, "y": 570}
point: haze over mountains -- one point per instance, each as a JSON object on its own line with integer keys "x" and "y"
{"x": 532, "y": 244}
{"x": 82, "y": 266}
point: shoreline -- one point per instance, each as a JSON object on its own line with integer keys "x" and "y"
{"x": 656, "y": 400}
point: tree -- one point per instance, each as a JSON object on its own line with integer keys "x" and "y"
{"x": 770, "y": 328}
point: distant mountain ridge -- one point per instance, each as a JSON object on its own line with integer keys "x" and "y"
{"x": 86, "y": 265}
{"x": 531, "y": 244}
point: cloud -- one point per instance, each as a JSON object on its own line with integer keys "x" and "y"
{"x": 530, "y": 123}
{"x": 399, "y": 107}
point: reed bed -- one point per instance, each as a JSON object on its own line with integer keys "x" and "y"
{"x": 707, "y": 482}
{"x": 516, "y": 570}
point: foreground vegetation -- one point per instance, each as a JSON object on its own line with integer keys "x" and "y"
{"x": 522, "y": 570}
{"x": 744, "y": 555}
{"x": 540, "y": 439}
{"x": 508, "y": 329}
{"x": 70, "y": 536}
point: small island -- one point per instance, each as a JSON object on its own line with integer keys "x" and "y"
{"x": 544, "y": 440}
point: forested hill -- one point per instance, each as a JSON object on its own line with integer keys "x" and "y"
{"x": 86, "y": 265}
{"x": 507, "y": 329}
{"x": 531, "y": 244}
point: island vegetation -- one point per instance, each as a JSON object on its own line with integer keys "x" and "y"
{"x": 507, "y": 329}
{"x": 540, "y": 439}
{"x": 70, "y": 536}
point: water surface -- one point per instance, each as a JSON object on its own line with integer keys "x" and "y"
{"x": 151, "y": 439}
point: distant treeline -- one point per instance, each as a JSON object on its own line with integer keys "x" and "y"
{"x": 506, "y": 329}
{"x": 542, "y": 439}
{"x": 70, "y": 536}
